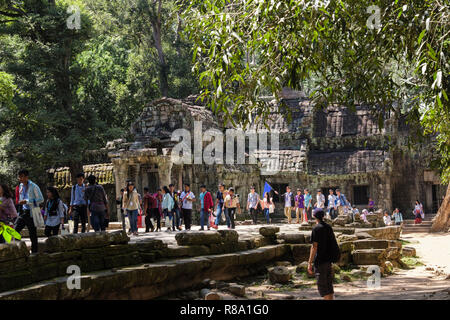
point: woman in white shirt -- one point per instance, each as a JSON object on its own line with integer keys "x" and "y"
{"x": 387, "y": 219}
{"x": 267, "y": 205}
{"x": 54, "y": 213}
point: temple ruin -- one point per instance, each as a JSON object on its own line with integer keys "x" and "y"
{"x": 318, "y": 149}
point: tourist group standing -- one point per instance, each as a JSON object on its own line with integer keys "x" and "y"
{"x": 302, "y": 204}
{"x": 89, "y": 207}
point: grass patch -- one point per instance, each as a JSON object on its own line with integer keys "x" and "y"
{"x": 412, "y": 262}
{"x": 284, "y": 288}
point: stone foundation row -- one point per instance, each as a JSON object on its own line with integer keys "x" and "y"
{"x": 110, "y": 265}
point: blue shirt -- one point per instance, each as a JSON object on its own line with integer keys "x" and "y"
{"x": 341, "y": 200}
{"x": 252, "y": 200}
{"x": 53, "y": 221}
{"x": 308, "y": 198}
{"x": 25, "y": 196}
{"x": 398, "y": 217}
{"x": 31, "y": 194}
{"x": 77, "y": 195}
{"x": 201, "y": 196}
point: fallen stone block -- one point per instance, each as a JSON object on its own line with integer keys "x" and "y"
{"x": 236, "y": 289}
{"x": 260, "y": 241}
{"x": 229, "y": 236}
{"x": 300, "y": 252}
{"x": 189, "y": 238}
{"x": 392, "y": 254}
{"x": 269, "y": 231}
{"x": 385, "y": 233}
{"x": 80, "y": 241}
{"x": 292, "y": 237}
{"x": 209, "y": 295}
{"x": 408, "y": 252}
{"x": 279, "y": 275}
{"x": 367, "y": 256}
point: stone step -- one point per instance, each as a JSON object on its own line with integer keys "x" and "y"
{"x": 146, "y": 281}
{"x": 415, "y": 231}
{"x": 424, "y": 222}
{"x": 375, "y": 244}
{"x": 366, "y": 256}
{"x": 411, "y": 226}
{"x": 408, "y": 226}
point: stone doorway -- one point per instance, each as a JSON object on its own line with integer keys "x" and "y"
{"x": 150, "y": 177}
{"x": 153, "y": 181}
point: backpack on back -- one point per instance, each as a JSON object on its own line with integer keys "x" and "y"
{"x": 335, "y": 251}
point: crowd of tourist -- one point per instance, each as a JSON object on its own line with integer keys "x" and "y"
{"x": 89, "y": 207}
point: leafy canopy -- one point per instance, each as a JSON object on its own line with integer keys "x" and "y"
{"x": 339, "y": 50}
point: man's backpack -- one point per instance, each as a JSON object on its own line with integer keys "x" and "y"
{"x": 335, "y": 251}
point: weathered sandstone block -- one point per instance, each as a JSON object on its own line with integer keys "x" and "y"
{"x": 198, "y": 238}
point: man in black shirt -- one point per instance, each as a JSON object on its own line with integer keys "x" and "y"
{"x": 324, "y": 251}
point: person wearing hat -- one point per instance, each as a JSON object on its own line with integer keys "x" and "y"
{"x": 324, "y": 251}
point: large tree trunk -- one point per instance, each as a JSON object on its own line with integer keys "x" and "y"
{"x": 442, "y": 220}
{"x": 163, "y": 67}
{"x": 75, "y": 167}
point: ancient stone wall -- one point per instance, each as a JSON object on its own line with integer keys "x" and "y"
{"x": 109, "y": 252}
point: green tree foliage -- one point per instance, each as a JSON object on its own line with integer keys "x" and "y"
{"x": 161, "y": 58}
{"x": 48, "y": 123}
{"x": 7, "y": 89}
{"x": 80, "y": 87}
{"x": 340, "y": 48}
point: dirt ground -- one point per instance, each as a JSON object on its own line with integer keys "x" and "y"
{"x": 430, "y": 281}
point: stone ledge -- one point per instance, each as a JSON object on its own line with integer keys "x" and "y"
{"x": 80, "y": 241}
{"x": 186, "y": 238}
{"x": 384, "y": 233}
{"x": 148, "y": 281}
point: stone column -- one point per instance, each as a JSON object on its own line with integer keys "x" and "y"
{"x": 120, "y": 174}
{"x": 137, "y": 178}
{"x": 428, "y": 207}
{"x": 180, "y": 178}
{"x": 164, "y": 171}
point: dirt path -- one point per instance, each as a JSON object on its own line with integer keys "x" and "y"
{"x": 427, "y": 282}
